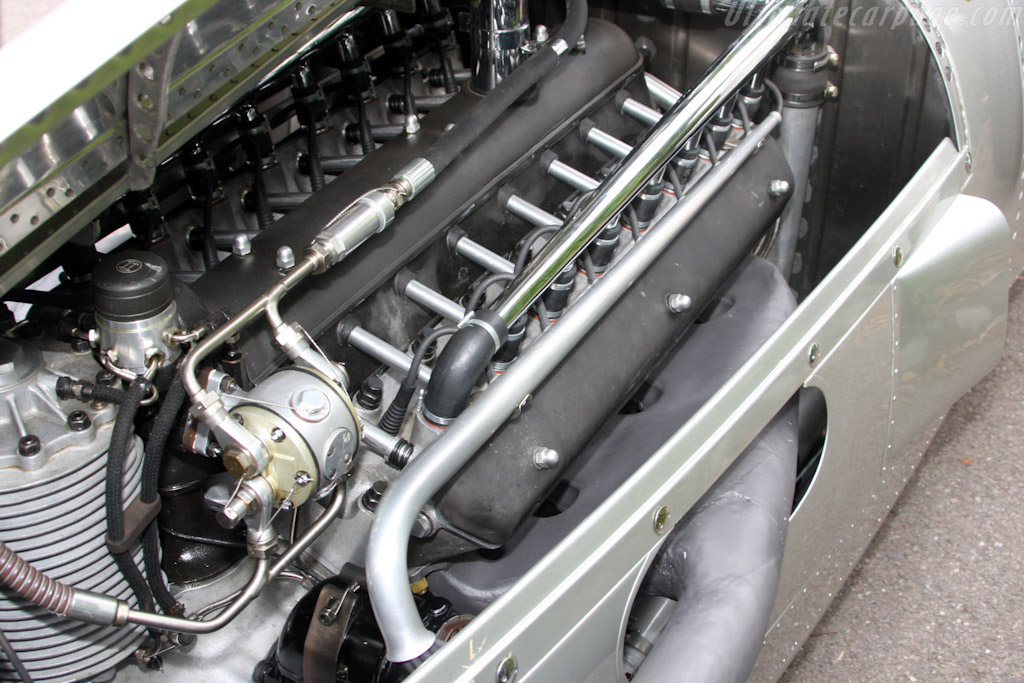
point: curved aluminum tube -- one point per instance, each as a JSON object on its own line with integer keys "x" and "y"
{"x": 262, "y": 575}
{"x": 387, "y": 563}
{"x": 772, "y": 29}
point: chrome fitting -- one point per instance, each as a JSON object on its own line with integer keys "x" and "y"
{"x": 94, "y": 608}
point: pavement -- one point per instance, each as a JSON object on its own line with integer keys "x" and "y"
{"x": 939, "y": 594}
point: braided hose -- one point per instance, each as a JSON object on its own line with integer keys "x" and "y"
{"x": 33, "y": 585}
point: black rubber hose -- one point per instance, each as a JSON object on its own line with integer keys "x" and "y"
{"x": 166, "y": 417}
{"x": 461, "y": 363}
{"x": 394, "y": 416}
{"x": 13, "y": 660}
{"x": 210, "y": 259}
{"x": 69, "y": 387}
{"x": 409, "y": 99}
{"x": 480, "y": 290}
{"x": 365, "y": 130}
{"x": 447, "y": 73}
{"x": 488, "y": 109}
{"x": 531, "y": 237}
{"x": 264, "y": 214}
{"x": 120, "y": 440}
{"x": 316, "y": 172}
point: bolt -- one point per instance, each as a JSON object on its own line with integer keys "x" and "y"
{"x": 277, "y": 435}
{"x": 106, "y": 377}
{"x": 661, "y": 517}
{"x": 239, "y": 463}
{"x": 373, "y": 494}
{"x": 29, "y": 445}
{"x": 310, "y": 404}
{"x": 228, "y": 385}
{"x": 831, "y": 91}
{"x": 540, "y": 33}
{"x": 285, "y": 257}
{"x": 677, "y": 303}
{"x": 302, "y": 478}
{"x": 833, "y": 57}
{"x": 812, "y": 355}
{"x": 241, "y": 246}
{"x": 78, "y": 421}
{"x": 545, "y": 458}
{"x": 777, "y": 188}
{"x": 897, "y": 256}
{"x": 238, "y": 418}
{"x": 507, "y": 671}
{"x": 80, "y": 346}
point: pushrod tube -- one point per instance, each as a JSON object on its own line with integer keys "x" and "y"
{"x": 770, "y": 31}
{"x": 387, "y": 564}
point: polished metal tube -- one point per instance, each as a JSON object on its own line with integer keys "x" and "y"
{"x": 434, "y": 301}
{"x": 483, "y": 257}
{"x": 608, "y": 143}
{"x": 770, "y": 31}
{"x": 571, "y": 177}
{"x": 387, "y": 562}
{"x": 531, "y": 213}
{"x": 389, "y": 355}
{"x": 498, "y": 31}
{"x": 664, "y": 94}
{"x": 262, "y": 575}
{"x": 640, "y": 111}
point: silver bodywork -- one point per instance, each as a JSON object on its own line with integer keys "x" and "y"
{"x": 911, "y": 318}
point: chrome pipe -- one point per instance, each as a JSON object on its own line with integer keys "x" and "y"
{"x": 387, "y": 562}
{"x": 665, "y": 96}
{"x": 483, "y": 257}
{"x": 772, "y": 29}
{"x": 531, "y": 213}
{"x": 608, "y": 143}
{"x": 640, "y": 111}
{"x": 571, "y": 177}
{"x": 434, "y": 301}
{"x": 389, "y": 355}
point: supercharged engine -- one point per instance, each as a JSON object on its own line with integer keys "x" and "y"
{"x": 343, "y": 331}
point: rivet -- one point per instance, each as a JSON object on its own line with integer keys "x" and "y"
{"x": 897, "y": 256}
{"x": 661, "y": 517}
{"x": 507, "y": 671}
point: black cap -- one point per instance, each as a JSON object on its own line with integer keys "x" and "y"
{"x": 131, "y": 285}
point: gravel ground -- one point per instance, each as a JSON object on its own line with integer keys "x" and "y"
{"x": 938, "y": 594}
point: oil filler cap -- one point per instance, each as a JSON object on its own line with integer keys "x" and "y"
{"x": 131, "y": 285}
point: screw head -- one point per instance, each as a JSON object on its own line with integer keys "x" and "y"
{"x": 310, "y": 403}
{"x": 213, "y": 450}
{"x": 507, "y": 671}
{"x": 277, "y": 435}
{"x": 831, "y": 91}
{"x": 661, "y": 517}
{"x": 29, "y": 445}
{"x": 677, "y": 303}
{"x": 897, "y": 256}
{"x": 833, "y": 57}
{"x": 285, "y": 257}
{"x": 78, "y": 421}
{"x": 778, "y": 188}
{"x": 812, "y": 355}
{"x": 968, "y": 163}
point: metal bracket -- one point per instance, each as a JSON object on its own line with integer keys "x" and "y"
{"x": 147, "y": 108}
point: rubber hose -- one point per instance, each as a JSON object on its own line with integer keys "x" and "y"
{"x": 481, "y": 289}
{"x": 395, "y": 414}
{"x": 155, "y": 446}
{"x": 120, "y": 439}
{"x": 264, "y": 214}
{"x": 316, "y": 172}
{"x": 488, "y": 109}
{"x": 210, "y": 259}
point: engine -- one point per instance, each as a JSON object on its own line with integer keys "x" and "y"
{"x": 357, "y": 340}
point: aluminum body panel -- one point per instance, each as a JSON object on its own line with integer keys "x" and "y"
{"x": 72, "y": 148}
